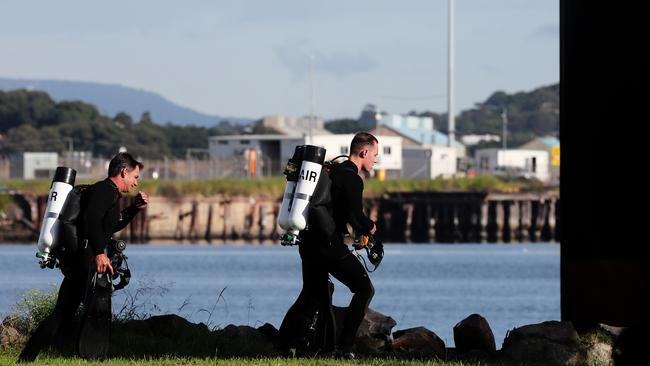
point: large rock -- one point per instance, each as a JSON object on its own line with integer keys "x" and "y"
{"x": 374, "y": 334}
{"x": 243, "y": 341}
{"x": 376, "y": 324}
{"x": 270, "y": 332}
{"x": 418, "y": 342}
{"x": 551, "y": 342}
{"x": 474, "y": 334}
{"x": 162, "y": 335}
{"x": 171, "y": 325}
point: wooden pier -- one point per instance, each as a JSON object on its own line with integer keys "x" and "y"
{"x": 406, "y": 217}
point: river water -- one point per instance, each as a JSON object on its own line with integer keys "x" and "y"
{"x": 430, "y": 285}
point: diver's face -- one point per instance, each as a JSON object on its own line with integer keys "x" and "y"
{"x": 369, "y": 157}
{"x": 130, "y": 179}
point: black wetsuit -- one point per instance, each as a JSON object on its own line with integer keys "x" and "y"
{"x": 314, "y": 301}
{"x": 347, "y": 204}
{"x": 99, "y": 219}
{"x": 103, "y": 216}
{"x": 323, "y": 252}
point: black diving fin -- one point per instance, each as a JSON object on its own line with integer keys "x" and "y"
{"x": 96, "y": 325}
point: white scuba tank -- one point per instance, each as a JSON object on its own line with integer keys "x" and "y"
{"x": 292, "y": 173}
{"x": 62, "y": 184}
{"x": 310, "y": 169}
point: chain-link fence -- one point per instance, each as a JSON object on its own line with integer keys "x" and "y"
{"x": 191, "y": 168}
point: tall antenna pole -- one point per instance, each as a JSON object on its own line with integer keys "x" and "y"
{"x": 504, "y": 119}
{"x": 450, "y": 76}
{"x": 311, "y": 97}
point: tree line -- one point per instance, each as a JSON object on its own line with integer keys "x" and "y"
{"x": 32, "y": 121}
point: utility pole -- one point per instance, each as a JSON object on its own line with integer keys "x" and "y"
{"x": 311, "y": 97}
{"x": 504, "y": 119}
{"x": 70, "y": 145}
{"x": 450, "y": 75}
{"x": 166, "y": 168}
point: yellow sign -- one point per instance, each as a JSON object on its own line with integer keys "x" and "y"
{"x": 555, "y": 156}
{"x": 381, "y": 174}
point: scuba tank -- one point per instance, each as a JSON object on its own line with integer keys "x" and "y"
{"x": 62, "y": 184}
{"x": 295, "y": 210}
{"x": 292, "y": 173}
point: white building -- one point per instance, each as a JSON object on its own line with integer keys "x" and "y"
{"x": 515, "y": 162}
{"x": 552, "y": 145}
{"x": 429, "y": 161}
{"x": 419, "y": 129}
{"x": 426, "y": 161}
{"x": 34, "y": 165}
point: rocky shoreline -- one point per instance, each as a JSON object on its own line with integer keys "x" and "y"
{"x": 550, "y": 342}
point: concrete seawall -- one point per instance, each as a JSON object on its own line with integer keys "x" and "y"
{"x": 418, "y": 217}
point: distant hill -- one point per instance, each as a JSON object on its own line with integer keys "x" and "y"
{"x": 535, "y": 112}
{"x": 33, "y": 121}
{"x": 111, "y": 99}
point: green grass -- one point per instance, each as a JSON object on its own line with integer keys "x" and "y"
{"x": 133, "y": 349}
{"x": 273, "y": 187}
{"x": 9, "y": 358}
{"x": 464, "y": 184}
{"x": 5, "y": 200}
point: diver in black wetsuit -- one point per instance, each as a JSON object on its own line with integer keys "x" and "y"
{"x": 308, "y": 325}
{"x": 99, "y": 219}
{"x": 336, "y": 202}
{"x": 347, "y": 204}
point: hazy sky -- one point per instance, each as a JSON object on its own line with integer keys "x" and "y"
{"x": 250, "y": 58}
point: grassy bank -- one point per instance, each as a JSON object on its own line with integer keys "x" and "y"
{"x": 273, "y": 187}
{"x": 5, "y": 200}
{"x": 33, "y": 306}
{"x": 9, "y": 358}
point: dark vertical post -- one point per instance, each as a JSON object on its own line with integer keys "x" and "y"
{"x": 605, "y": 269}
{"x": 534, "y": 214}
{"x": 208, "y": 227}
{"x": 492, "y": 225}
{"x": 545, "y": 234}
{"x": 506, "y": 232}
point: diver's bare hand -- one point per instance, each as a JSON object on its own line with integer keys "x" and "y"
{"x": 102, "y": 264}
{"x": 374, "y": 229}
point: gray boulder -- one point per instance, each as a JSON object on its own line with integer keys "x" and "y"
{"x": 551, "y": 342}
{"x": 474, "y": 334}
{"x": 418, "y": 342}
{"x": 374, "y": 334}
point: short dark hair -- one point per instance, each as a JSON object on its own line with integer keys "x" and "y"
{"x": 121, "y": 161}
{"x": 361, "y": 140}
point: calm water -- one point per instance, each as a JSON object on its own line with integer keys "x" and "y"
{"x": 418, "y": 285}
